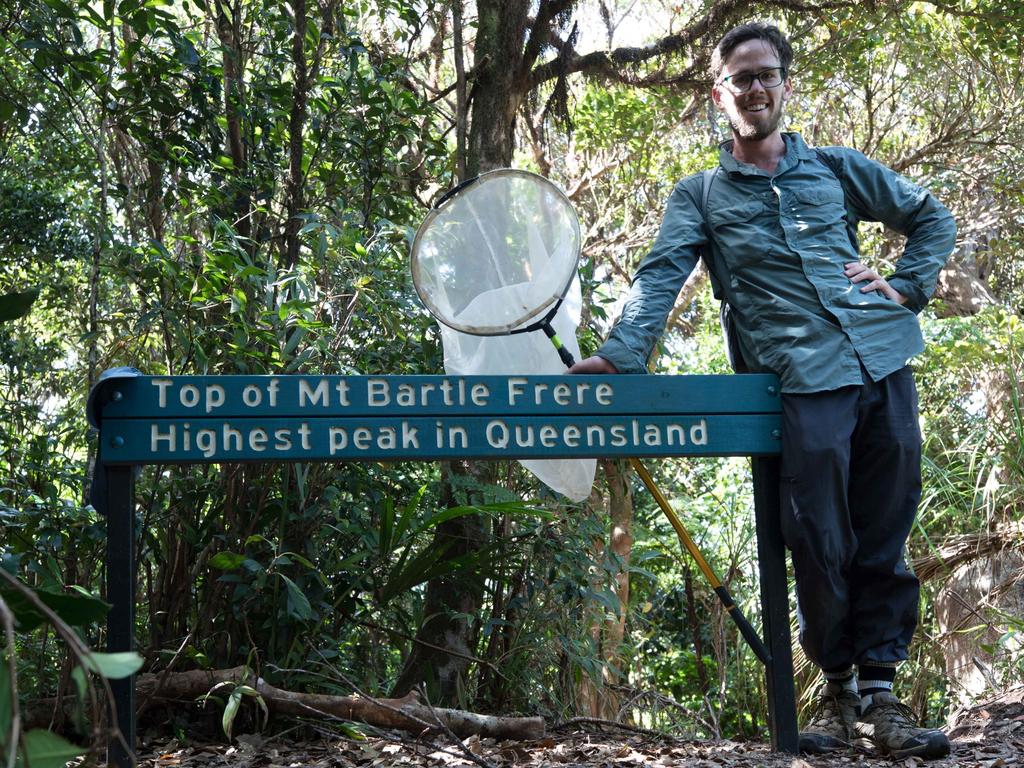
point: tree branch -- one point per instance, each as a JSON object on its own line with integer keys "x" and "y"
{"x": 540, "y": 32}
{"x": 461, "y": 107}
{"x": 296, "y": 145}
{"x": 405, "y": 713}
{"x": 609, "y": 63}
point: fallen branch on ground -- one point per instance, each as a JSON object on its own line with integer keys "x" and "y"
{"x": 406, "y": 714}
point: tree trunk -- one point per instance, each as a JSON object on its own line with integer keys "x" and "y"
{"x": 449, "y": 599}
{"x": 498, "y": 91}
{"x": 499, "y": 88}
{"x": 590, "y": 691}
{"x": 598, "y": 698}
{"x": 296, "y": 126}
{"x": 228, "y": 23}
{"x": 620, "y": 511}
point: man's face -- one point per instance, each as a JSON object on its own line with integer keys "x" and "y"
{"x": 755, "y": 114}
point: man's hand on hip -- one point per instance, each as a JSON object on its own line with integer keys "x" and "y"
{"x": 594, "y": 364}
{"x": 858, "y": 273}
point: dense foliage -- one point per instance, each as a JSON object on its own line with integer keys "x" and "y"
{"x": 206, "y": 186}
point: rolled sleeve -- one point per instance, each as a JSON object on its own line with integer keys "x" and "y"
{"x": 880, "y": 194}
{"x": 624, "y": 350}
{"x": 909, "y": 289}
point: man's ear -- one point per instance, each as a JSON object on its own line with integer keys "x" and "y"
{"x": 716, "y": 96}
{"x": 787, "y": 89}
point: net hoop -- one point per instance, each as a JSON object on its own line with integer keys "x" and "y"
{"x": 532, "y": 313}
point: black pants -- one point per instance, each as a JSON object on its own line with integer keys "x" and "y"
{"x": 851, "y": 482}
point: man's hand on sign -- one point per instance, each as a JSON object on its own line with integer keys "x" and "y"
{"x": 593, "y": 364}
{"x": 858, "y": 273}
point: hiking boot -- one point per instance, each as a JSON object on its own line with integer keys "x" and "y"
{"x": 892, "y": 727}
{"x": 832, "y": 720}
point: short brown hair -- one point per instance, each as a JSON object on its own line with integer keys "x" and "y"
{"x": 754, "y": 30}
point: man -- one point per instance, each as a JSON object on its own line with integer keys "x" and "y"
{"x": 777, "y": 228}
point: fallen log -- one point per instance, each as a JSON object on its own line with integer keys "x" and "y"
{"x": 406, "y": 713}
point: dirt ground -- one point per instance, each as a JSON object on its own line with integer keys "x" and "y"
{"x": 989, "y": 735}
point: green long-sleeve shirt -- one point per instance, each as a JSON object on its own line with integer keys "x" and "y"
{"x": 775, "y": 244}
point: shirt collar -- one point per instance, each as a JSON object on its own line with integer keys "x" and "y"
{"x": 796, "y": 150}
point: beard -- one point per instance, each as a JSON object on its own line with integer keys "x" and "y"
{"x": 759, "y": 129}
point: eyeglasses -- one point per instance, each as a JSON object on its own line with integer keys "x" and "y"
{"x": 741, "y": 83}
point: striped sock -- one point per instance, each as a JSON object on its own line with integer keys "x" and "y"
{"x": 875, "y": 677}
{"x": 844, "y": 677}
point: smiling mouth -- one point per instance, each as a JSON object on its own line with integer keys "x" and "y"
{"x": 756, "y": 107}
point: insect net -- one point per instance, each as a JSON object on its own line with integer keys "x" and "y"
{"x": 492, "y": 261}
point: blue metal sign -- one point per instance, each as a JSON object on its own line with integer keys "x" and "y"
{"x": 209, "y": 419}
{"x": 298, "y": 395}
{"x": 195, "y": 441}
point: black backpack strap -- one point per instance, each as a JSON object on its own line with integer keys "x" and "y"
{"x": 706, "y": 179}
{"x": 705, "y": 190}
{"x": 733, "y": 353}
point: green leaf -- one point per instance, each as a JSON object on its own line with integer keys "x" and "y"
{"x": 387, "y": 519}
{"x": 645, "y": 556}
{"x": 61, "y": 9}
{"x": 15, "y": 305}
{"x": 426, "y": 564}
{"x": 280, "y": 560}
{"x": 298, "y": 603}
{"x": 227, "y": 561}
{"x": 293, "y": 341}
{"x": 450, "y": 513}
{"x": 78, "y": 715}
{"x": 230, "y": 710}
{"x": 81, "y": 683}
{"x": 114, "y": 666}
{"x": 637, "y": 571}
{"x": 409, "y": 514}
{"x": 77, "y": 610}
{"x": 43, "y": 749}
{"x": 351, "y": 731}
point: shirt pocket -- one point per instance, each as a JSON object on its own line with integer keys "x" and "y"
{"x": 737, "y": 234}
{"x": 820, "y": 207}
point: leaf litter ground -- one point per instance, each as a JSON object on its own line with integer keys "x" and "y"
{"x": 989, "y": 735}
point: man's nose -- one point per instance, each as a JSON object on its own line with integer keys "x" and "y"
{"x": 756, "y": 86}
